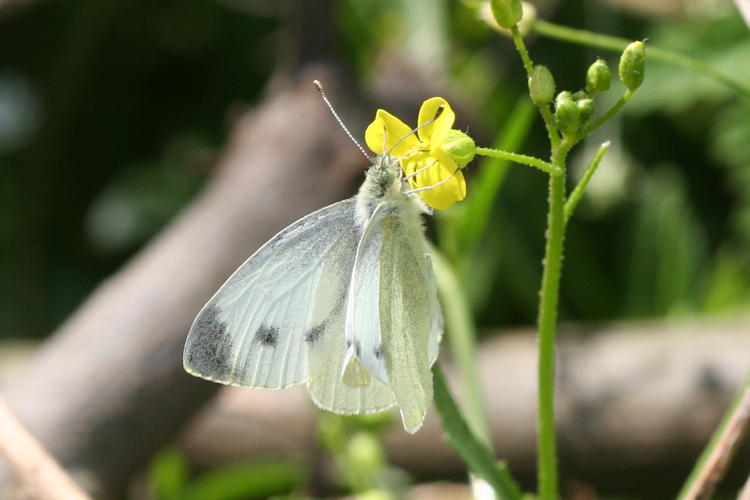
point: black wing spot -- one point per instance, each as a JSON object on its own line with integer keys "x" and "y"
{"x": 267, "y": 335}
{"x": 313, "y": 334}
{"x": 209, "y": 345}
{"x": 378, "y": 352}
{"x": 358, "y": 349}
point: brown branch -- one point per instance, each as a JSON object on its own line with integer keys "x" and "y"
{"x": 745, "y": 491}
{"x": 636, "y": 401}
{"x": 39, "y": 475}
{"x": 715, "y": 466}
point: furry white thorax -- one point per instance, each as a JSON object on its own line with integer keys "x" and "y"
{"x": 384, "y": 183}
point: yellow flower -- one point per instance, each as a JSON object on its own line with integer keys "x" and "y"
{"x": 426, "y": 148}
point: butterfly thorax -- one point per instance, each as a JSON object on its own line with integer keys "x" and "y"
{"x": 384, "y": 183}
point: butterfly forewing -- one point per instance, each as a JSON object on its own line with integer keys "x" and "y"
{"x": 256, "y": 329}
{"x": 411, "y": 324}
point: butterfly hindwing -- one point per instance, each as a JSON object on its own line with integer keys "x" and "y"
{"x": 327, "y": 385}
{"x": 255, "y": 329}
{"x": 363, "y": 336}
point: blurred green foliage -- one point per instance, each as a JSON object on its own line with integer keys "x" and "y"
{"x": 169, "y": 479}
{"x": 111, "y": 114}
{"x": 110, "y": 111}
{"x": 361, "y": 465}
{"x": 119, "y": 108}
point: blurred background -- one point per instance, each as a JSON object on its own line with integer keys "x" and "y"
{"x": 115, "y": 115}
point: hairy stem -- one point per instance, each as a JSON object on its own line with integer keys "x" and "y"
{"x": 549, "y": 121}
{"x": 606, "y": 116}
{"x": 577, "y": 193}
{"x": 519, "y": 158}
{"x": 546, "y": 440}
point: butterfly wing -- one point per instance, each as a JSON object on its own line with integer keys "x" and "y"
{"x": 354, "y": 393}
{"x": 363, "y": 335}
{"x": 410, "y": 317}
{"x": 337, "y": 382}
{"x": 255, "y": 330}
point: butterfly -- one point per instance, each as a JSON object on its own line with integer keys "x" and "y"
{"x": 343, "y": 300}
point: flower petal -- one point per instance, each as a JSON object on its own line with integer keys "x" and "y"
{"x": 385, "y": 131}
{"x": 435, "y": 132}
{"x": 446, "y": 194}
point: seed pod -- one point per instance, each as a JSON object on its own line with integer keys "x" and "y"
{"x": 598, "y": 76}
{"x": 541, "y": 86}
{"x": 507, "y": 12}
{"x": 633, "y": 65}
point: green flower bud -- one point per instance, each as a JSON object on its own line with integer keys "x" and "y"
{"x": 507, "y": 12}
{"x": 581, "y": 94}
{"x": 459, "y": 146}
{"x": 585, "y": 108}
{"x": 331, "y": 431}
{"x": 598, "y": 77}
{"x": 364, "y": 452}
{"x": 567, "y": 114}
{"x": 633, "y": 65}
{"x": 541, "y": 86}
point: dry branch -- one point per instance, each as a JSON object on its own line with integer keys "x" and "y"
{"x": 636, "y": 401}
{"x": 745, "y": 491}
{"x": 39, "y": 475}
{"x": 728, "y": 442}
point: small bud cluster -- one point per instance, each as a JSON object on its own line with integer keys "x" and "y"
{"x": 573, "y": 110}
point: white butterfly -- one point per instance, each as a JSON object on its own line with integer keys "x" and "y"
{"x": 344, "y": 300}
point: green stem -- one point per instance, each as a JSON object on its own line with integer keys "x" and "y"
{"x": 549, "y": 122}
{"x": 577, "y": 193}
{"x": 606, "y": 116}
{"x": 719, "y": 451}
{"x": 459, "y": 324}
{"x": 522, "y": 159}
{"x": 616, "y": 44}
{"x": 546, "y": 440}
{"x": 475, "y": 454}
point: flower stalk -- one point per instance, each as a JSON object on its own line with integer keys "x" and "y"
{"x": 547, "y": 325}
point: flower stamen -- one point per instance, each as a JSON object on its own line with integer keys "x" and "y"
{"x": 427, "y": 188}
{"x": 416, "y": 172}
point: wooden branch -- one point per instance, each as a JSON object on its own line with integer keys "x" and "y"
{"x": 635, "y": 401}
{"x": 714, "y": 467}
{"x": 39, "y": 475}
{"x": 745, "y": 491}
{"x": 108, "y": 388}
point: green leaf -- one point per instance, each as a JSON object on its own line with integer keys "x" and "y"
{"x": 245, "y": 481}
{"x": 475, "y": 454}
{"x": 168, "y": 473}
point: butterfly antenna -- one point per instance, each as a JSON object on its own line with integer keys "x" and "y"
{"x": 319, "y": 86}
